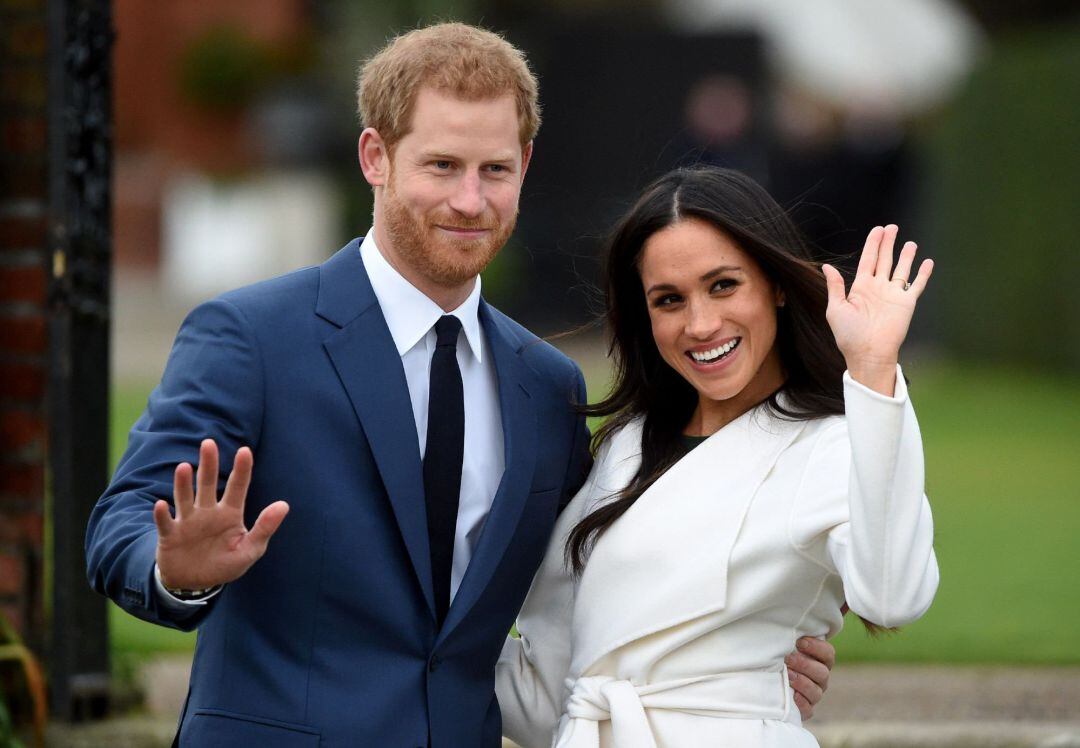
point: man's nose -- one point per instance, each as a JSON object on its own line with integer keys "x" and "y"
{"x": 468, "y": 199}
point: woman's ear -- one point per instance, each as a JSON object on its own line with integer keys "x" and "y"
{"x": 374, "y": 157}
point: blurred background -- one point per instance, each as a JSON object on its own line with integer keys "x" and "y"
{"x": 235, "y": 160}
{"x": 235, "y": 140}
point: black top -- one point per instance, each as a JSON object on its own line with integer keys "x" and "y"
{"x": 689, "y": 442}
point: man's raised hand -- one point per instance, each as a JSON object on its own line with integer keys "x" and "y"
{"x": 207, "y": 544}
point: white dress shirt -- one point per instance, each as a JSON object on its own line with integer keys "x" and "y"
{"x": 411, "y": 317}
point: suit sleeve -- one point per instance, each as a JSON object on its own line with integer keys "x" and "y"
{"x": 580, "y": 457}
{"x": 867, "y": 471}
{"x": 212, "y": 388}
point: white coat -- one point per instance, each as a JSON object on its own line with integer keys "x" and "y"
{"x": 676, "y": 632}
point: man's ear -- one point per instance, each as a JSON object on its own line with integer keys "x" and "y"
{"x": 374, "y": 157}
{"x": 526, "y": 157}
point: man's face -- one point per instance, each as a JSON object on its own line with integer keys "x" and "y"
{"x": 450, "y": 200}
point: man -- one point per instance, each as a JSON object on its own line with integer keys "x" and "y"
{"x": 422, "y": 442}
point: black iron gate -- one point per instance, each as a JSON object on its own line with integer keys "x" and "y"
{"x": 80, "y": 169}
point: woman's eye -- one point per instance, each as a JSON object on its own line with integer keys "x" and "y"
{"x": 666, "y": 300}
{"x": 724, "y": 284}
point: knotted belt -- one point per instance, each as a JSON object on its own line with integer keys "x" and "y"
{"x": 756, "y": 694}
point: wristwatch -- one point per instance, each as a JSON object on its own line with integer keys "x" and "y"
{"x": 186, "y": 595}
{"x": 192, "y": 594}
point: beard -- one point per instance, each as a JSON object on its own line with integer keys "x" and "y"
{"x": 442, "y": 259}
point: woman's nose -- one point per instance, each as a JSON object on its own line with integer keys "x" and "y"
{"x": 703, "y": 320}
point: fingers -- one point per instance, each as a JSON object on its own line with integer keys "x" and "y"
{"x": 183, "y": 495}
{"x": 806, "y": 688}
{"x": 809, "y": 669}
{"x": 818, "y": 649}
{"x": 835, "y": 283}
{"x": 162, "y": 518}
{"x": 869, "y": 258}
{"x": 922, "y": 278}
{"x": 207, "y": 475}
{"x": 885, "y": 253}
{"x": 903, "y": 264}
{"x": 239, "y": 479}
{"x": 267, "y": 523}
{"x": 806, "y": 709}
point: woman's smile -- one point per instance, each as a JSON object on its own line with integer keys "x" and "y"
{"x": 713, "y": 315}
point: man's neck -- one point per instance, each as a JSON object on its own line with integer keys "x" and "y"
{"x": 448, "y": 298}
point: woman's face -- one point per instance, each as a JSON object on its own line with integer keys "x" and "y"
{"x": 713, "y": 314}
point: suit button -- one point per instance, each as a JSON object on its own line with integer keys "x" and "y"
{"x": 433, "y": 663}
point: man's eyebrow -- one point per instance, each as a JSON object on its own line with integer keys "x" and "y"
{"x": 499, "y": 158}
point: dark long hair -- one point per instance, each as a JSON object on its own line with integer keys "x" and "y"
{"x": 645, "y": 386}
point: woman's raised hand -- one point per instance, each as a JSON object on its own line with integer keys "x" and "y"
{"x": 870, "y": 321}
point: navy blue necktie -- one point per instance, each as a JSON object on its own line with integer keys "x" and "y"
{"x": 442, "y": 457}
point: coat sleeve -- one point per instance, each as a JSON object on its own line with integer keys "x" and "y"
{"x": 531, "y": 673}
{"x": 865, "y": 477}
{"x": 212, "y": 388}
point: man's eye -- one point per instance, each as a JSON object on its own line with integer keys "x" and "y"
{"x": 442, "y": 165}
{"x": 497, "y": 168}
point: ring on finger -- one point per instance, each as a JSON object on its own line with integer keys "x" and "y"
{"x": 904, "y": 282}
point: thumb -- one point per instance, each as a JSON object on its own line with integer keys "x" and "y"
{"x": 267, "y": 523}
{"x": 835, "y": 283}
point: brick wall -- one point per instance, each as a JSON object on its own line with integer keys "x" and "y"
{"x": 23, "y": 288}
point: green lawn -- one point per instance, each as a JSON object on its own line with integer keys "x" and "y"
{"x": 1003, "y": 476}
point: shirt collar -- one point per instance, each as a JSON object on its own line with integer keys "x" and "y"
{"x": 408, "y": 312}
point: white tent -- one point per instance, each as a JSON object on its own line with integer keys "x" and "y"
{"x": 899, "y": 57}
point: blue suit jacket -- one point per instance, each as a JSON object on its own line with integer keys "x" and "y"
{"x": 330, "y": 639}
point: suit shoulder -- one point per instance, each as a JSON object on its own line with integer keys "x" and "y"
{"x": 542, "y": 356}
{"x": 270, "y": 299}
{"x": 275, "y": 290}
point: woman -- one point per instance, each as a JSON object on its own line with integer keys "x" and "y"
{"x": 746, "y": 486}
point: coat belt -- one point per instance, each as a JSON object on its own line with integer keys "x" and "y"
{"x": 757, "y": 694}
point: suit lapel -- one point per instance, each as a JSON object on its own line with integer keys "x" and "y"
{"x": 516, "y": 380}
{"x": 369, "y": 367}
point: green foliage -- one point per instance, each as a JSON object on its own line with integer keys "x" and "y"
{"x": 223, "y": 69}
{"x": 1002, "y": 197}
{"x": 8, "y": 738}
{"x": 31, "y": 684}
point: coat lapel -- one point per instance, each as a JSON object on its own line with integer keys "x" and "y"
{"x": 369, "y": 367}
{"x": 674, "y": 544}
{"x": 516, "y": 380}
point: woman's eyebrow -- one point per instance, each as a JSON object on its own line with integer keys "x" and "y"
{"x": 722, "y": 269}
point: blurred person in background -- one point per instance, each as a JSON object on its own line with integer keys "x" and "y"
{"x": 424, "y": 442}
{"x": 720, "y": 128}
{"x": 761, "y": 468}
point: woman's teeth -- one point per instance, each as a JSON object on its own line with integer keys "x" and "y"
{"x": 711, "y": 356}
